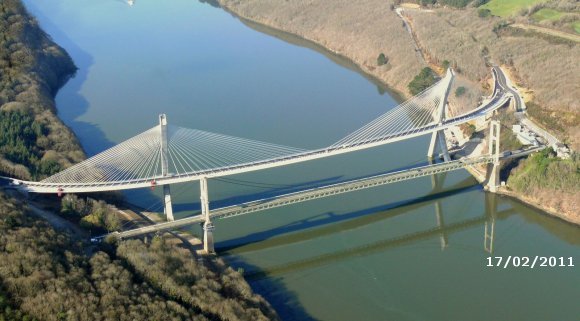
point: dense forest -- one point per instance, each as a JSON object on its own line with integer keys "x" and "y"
{"x": 33, "y": 141}
{"x": 46, "y": 275}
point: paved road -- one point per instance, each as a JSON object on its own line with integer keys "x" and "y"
{"x": 501, "y": 79}
{"x": 521, "y": 107}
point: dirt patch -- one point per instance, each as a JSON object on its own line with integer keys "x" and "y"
{"x": 410, "y": 5}
{"x": 548, "y": 31}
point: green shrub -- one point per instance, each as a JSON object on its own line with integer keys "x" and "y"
{"x": 425, "y": 79}
{"x": 483, "y": 13}
{"x": 460, "y": 91}
{"x": 382, "y": 59}
{"x": 545, "y": 170}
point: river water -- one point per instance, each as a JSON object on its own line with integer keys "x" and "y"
{"x": 408, "y": 251}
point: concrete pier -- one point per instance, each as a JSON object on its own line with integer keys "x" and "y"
{"x": 167, "y": 205}
{"x": 208, "y": 227}
{"x": 493, "y": 181}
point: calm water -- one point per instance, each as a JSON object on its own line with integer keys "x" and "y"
{"x": 408, "y": 251}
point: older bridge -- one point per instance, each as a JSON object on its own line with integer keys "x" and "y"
{"x": 166, "y": 154}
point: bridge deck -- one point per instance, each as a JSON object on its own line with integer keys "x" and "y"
{"x": 40, "y": 187}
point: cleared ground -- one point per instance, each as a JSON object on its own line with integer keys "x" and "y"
{"x": 548, "y": 31}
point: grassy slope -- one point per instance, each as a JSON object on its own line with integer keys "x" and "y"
{"x": 552, "y": 15}
{"x": 506, "y": 8}
{"x": 547, "y": 14}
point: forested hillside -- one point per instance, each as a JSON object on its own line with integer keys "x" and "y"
{"x": 34, "y": 143}
{"x": 46, "y": 275}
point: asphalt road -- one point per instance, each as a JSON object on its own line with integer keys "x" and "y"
{"x": 502, "y": 80}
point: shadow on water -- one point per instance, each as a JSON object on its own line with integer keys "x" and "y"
{"x": 443, "y": 230}
{"x": 326, "y": 223}
{"x": 75, "y": 105}
{"x": 273, "y": 191}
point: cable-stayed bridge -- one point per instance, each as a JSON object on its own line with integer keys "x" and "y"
{"x": 167, "y": 154}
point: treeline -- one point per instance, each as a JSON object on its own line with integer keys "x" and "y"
{"x": 53, "y": 278}
{"x": 94, "y": 215}
{"x": 34, "y": 142}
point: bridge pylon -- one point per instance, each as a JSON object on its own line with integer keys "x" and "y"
{"x": 438, "y": 137}
{"x": 208, "y": 227}
{"x": 167, "y": 205}
{"x": 493, "y": 169}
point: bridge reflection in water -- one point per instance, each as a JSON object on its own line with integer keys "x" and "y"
{"x": 328, "y": 224}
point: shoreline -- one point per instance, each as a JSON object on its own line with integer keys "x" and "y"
{"x": 545, "y": 210}
{"x": 398, "y": 91}
{"x": 398, "y": 95}
{"x": 335, "y": 56}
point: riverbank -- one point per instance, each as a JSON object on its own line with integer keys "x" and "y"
{"x": 568, "y": 217}
{"x": 339, "y": 31}
{"x": 360, "y": 31}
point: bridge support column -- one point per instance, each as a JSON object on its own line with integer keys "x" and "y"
{"x": 167, "y": 205}
{"x": 438, "y": 137}
{"x": 208, "y": 227}
{"x": 494, "y": 168}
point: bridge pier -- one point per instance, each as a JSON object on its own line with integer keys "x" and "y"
{"x": 167, "y": 205}
{"x": 208, "y": 227}
{"x": 438, "y": 138}
{"x": 493, "y": 181}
